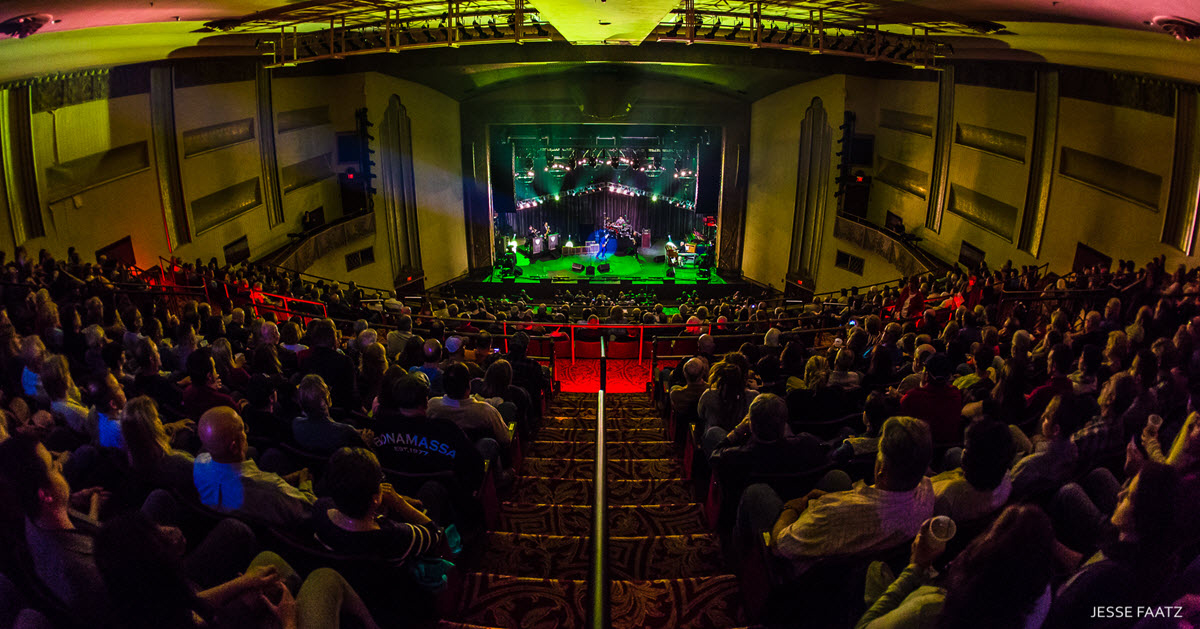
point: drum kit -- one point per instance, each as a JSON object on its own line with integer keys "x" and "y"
{"x": 621, "y": 228}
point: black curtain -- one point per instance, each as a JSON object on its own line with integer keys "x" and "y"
{"x": 568, "y": 214}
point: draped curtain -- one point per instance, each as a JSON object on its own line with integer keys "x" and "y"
{"x": 571, "y": 215}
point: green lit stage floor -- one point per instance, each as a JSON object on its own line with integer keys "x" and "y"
{"x": 640, "y": 268}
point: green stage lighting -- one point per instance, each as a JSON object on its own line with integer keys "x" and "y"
{"x": 654, "y": 198}
{"x": 556, "y": 197}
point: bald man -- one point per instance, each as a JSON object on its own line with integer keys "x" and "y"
{"x": 228, "y": 481}
{"x": 432, "y": 366}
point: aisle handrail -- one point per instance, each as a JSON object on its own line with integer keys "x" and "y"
{"x": 599, "y": 585}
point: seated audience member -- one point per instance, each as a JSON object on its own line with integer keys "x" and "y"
{"x": 760, "y": 443}
{"x": 229, "y": 481}
{"x": 1056, "y": 458}
{"x": 432, "y": 367}
{"x": 706, "y": 347}
{"x": 150, "y": 379}
{"x": 408, "y": 440}
{"x": 1001, "y": 580}
{"x": 843, "y": 374}
{"x": 151, "y": 588}
{"x": 528, "y": 373}
{"x": 363, "y": 516}
{"x": 204, "y": 391}
{"x": 981, "y": 486}
{"x": 685, "y": 398}
{"x": 1131, "y": 568}
{"x": 314, "y": 430}
{"x": 1104, "y": 435}
{"x": 65, "y": 397}
{"x": 61, "y": 553}
{"x": 498, "y": 388}
{"x": 876, "y": 410}
{"x": 148, "y": 446}
{"x": 1086, "y": 379}
{"x": 976, "y": 385}
{"x": 477, "y": 419}
{"x": 372, "y": 365}
{"x": 836, "y": 519}
{"x": 110, "y": 404}
{"x": 334, "y": 367}
{"x": 936, "y": 401}
{"x": 33, "y": 355}
{"x": 262, "y": 412}
{"x": 231, "y": 368}
{"x": 725, "y": 403}
{"x": 1058, "y": 367}
{"x": 397, "y": 338}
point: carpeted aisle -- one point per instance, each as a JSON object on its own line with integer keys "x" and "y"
{"x": 666, "y": 566}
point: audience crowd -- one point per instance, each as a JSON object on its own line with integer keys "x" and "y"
{"x": 160, "y": 455}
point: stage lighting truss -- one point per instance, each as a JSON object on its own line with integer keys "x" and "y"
{"x": 822, "y": 31}
{"x": 334, "y": 29}
{"x": 610, "y": 188}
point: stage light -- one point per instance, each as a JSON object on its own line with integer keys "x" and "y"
{"x": 654, "y": 198}
{"x": 771, "y": 34}
{"x": 787, "y": 35}
{"x": 495, "y": 31}
{"x": 733, "y": 35}
{"x": 512, "y": 244}
{"x": 479, "y": 31}
{"x": 570, "y": 244}
{"x": 674, "y": 32}
{"x": 713, "y": 33}
{"x": 556, "y": 197}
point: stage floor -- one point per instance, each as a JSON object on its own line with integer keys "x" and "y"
{"x": 640, "y": 268}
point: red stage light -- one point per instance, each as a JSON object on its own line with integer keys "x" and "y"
{"x": 858, "y": 179}
{"x": 349, "y": 175}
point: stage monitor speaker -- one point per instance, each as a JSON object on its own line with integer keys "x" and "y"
{"x": 591, "y": 270}
{"x": 604, "y": 267}
{"x": 660, "y": 259}
{"x": 577, "y": 267}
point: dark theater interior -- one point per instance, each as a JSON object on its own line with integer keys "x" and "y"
{"x": 599, "y": 314}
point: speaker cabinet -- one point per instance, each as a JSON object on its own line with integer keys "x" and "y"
{"x": 604, "y": 268}
{"x": 577, "y": 267}
{"x": 591, "y": 270}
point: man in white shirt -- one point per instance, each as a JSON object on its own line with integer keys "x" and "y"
{"x": 476, "y": 418}
{"x": 228, "y": 481}
{"x": 861, "y": 519}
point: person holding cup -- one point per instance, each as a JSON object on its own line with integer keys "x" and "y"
{"x": 1001, "y": 579}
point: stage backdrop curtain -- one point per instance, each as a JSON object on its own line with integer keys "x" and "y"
{"x": 576, "y": 217}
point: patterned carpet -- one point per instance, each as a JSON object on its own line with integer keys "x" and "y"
{"x": 666, "y": 566}
{"x": 583, "y": 375}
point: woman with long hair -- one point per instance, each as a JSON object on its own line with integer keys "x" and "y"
{"x": 373, "y": 363}
{"x": 231, "y": 368}
{"x": 724, "y": 404}
{"x": 1001, "y": 580}
{"x": 148, "y": 446}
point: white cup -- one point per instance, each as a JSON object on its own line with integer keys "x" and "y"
{"x": 1155, "y": 422}
{"x": 943, "y": 528}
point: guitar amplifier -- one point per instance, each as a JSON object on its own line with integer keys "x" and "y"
{"x": 536, "y": 247}
{"x": 645, "y": 239}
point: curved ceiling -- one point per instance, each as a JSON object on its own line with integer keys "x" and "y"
{"x": 1108, "y": 34}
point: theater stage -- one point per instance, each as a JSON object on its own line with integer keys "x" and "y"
{"x": 640, "y": 268}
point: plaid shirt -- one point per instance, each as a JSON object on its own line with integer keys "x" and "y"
{"x": 1097, "y": 439}
{"x": 851, "y": 522}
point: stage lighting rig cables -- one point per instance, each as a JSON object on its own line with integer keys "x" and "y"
{"x": 789, "y": 26}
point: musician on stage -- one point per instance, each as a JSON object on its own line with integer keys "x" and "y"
{"x": 533, "y": 233}
{"x": 546, "y": 230}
